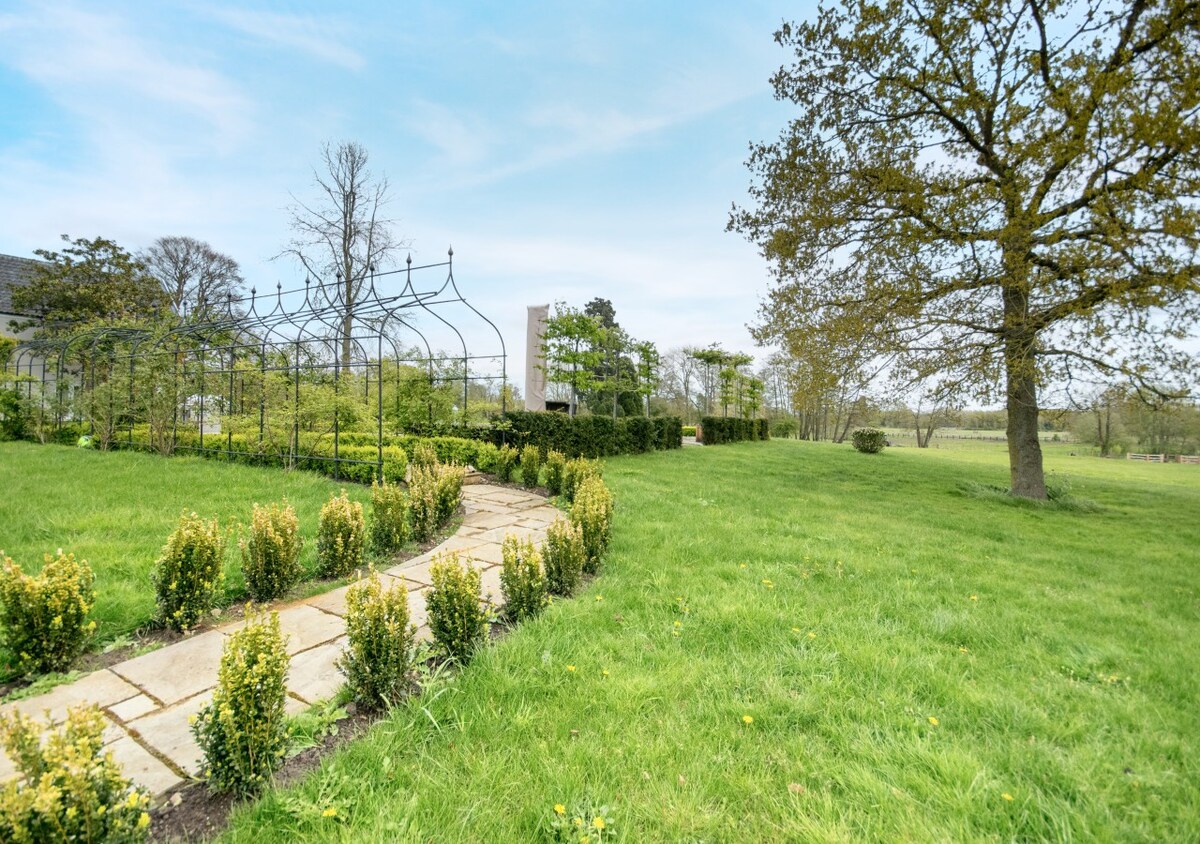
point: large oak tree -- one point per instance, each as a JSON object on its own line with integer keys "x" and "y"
{"x": 1004, "y": 190}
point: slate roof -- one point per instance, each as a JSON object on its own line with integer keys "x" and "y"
{"x": 14, "y": 272}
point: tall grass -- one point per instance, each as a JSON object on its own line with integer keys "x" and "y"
{"x": 794, "y": 642}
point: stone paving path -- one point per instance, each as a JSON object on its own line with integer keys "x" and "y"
{"x": 148, "y": 699}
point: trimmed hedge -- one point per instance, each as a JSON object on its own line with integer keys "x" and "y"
{"x": 592, "y": 436}
{"x": 718, "y": 430}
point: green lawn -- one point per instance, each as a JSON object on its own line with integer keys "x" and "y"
{"x": 795, "y": 642}
{"x": 117, "y": 509}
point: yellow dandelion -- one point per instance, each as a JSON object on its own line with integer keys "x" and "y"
{"x": 974, "y": 597}
{"x": 962, "y": 650}
{"x": 329, "y": 813}
{"x": 604, "y": 672}
{"x": 598, "y": 822}
{"x": 560, "y": 809}
{"x": 1007, "y": 796}
{"x": 933, "y": 721}
{"x": 570, "y": 667}
{"x": 599, "y": 598}
{"x": 747, "y": 719}
{"x": 812, "y": 634}
{"x": 742, "y": 565}
{"x": 679, "y": 624}
{"x": 795, "y": 629}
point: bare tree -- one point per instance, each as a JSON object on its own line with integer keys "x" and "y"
{"x": 343, "y": 233}
{"x": 195, "y": 277}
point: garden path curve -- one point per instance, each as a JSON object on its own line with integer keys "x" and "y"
{"x": 148, "y": 699}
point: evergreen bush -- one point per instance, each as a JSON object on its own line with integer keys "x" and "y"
{"x": 341, "y": 537}
{"x": 457, "y": 616}
{"x": 522, "y": 580}
{"x": 531, "y": 466}
{"x": 592, "y": 512}
{"x": 869, "y": 440}
{"x": 45, "y": 615}
{"x": 69, "y": 788}
{"x": 555, "y": 463}
{"x": 242, "y": 732}
{"x": 381, "y": 643}
{"x": 563, "y": 556}
{"x": 189, "y": 572}
{"x": 389, "y": 518}
{"x": 271, "y": 553}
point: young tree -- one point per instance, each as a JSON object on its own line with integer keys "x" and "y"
{"x": 1003, "y": 186}
{"x": 197, "y": 278}
{"x": 89, "y": 281}
{"x": 648, "y": 376}
{"x": 571, "y": 350}
{"x": 343, "y": 234}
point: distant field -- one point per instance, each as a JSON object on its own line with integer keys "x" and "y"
{"x": 795, "y": 642}
{"x": 117, "y": 509}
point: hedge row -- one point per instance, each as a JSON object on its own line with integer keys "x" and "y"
{"x": 592, "y": 436}
{"x": 718, "y": 430}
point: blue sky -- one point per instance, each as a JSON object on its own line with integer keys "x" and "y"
{"x": 565, "y": 150}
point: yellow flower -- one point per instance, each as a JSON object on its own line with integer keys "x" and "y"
{"x": 1007, "y": 796}
{"x": 193, "y": 718}
{"x": 570, "y": 667}
{"x": 962, "y": 650}
{"x": 812, "y": 634}
{"x": 143, "y": 820}
{"x": 585, "y": 839}
{"x": 560, "y": 809}
{"x": 795, "y": 629}
{"x": 598, "y": 822}
{"x": 742, "y": 566}
{"x": 329, "y": 813}
{"x": 599, "y": 598}
{"x": 933, "y": 721}
{"x": 679, "y": 624}
{"x": 974, "y": 597}
{"x": 604, "y": 673}
{"x": 577, "y": 821}
{"x": 747, "y": 719}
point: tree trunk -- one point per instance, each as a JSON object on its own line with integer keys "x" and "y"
{"x": 1024, "y": 447}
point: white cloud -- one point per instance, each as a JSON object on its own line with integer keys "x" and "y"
{"x": 93, "y": 65}
{"x": 316, "y": 36}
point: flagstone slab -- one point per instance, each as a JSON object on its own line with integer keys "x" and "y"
{"x": 489, "y": 582}
{"x": 178, "y": 671}
{"x": 487, "y": 521}
{"x": 489, "y": 554}
{"x": 314, "y": 675}
{"x": 534, "y": 535}
{"x": 544, "y": 516}
{"x": 135, "y": 707}
{"x": 170, "y": 734}
{"x": 103, "y": 688}
{"x": 141, "y": 766}
{"x": 331, "y": 602}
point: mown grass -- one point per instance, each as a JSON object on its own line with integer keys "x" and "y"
{"x": 117, "y": 509}
{"x": 795, "y": 642}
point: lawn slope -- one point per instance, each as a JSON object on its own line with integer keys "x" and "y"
{"x": 796, "y": 642}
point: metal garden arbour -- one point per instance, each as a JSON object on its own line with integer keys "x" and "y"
{"x": 271, "y": 370}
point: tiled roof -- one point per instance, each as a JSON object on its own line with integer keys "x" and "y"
{"x": 14, "y": 272}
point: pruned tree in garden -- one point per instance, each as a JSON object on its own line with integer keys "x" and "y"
{"x": 1004, "y": 189}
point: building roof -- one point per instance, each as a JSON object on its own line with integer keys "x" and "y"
{"x": 14, "y": 272}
